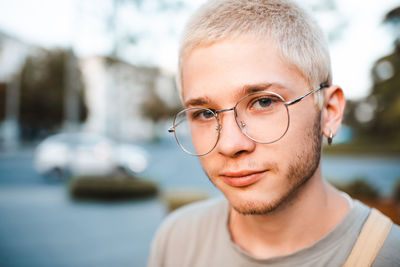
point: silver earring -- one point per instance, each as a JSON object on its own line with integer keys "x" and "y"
{"x": 330, "y": 138}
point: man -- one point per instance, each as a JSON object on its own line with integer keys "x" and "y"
{"x": 255, "y": 80}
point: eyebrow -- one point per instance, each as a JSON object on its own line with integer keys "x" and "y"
{"x": 201, "y": 101}
{"x": 246, "y": 90}
{"x": 254, "y": 88}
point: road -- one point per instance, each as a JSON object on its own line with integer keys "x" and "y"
{"x": 41, "y": 226}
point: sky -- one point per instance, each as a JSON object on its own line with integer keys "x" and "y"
{"x": 356, "y": 34}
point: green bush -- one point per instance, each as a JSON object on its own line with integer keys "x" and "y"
{"x": 178, "y": 198}
{"x": 111, "y": 188}
{"x": 359, "y": 188}
{"x": 396, "y": 192}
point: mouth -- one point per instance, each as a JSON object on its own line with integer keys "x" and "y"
{"x": 242, "y": 178}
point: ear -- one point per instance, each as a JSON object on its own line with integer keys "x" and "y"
{"x": 332, "y": 110}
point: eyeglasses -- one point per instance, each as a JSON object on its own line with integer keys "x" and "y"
{"x": 262, "y": 116}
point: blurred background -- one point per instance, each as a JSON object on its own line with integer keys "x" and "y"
{"x": 87, "y": 93}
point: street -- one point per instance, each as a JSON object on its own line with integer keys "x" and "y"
{"x": 41, "y": 226}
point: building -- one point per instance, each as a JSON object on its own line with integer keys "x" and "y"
{"x": 115, "y": 93}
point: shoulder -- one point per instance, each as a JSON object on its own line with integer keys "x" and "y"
{"x": 196, "y": 212}
{"x": 389, "y": 254}
{"x": 187, "y": 228}
{"x": 194, "y": 216}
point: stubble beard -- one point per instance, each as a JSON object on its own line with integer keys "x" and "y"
{"x": 299, "y": 173}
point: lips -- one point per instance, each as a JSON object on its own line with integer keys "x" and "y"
{"x": 242, "y": 178}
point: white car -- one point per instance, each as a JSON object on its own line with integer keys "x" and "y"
{"x": 79, "y": 154}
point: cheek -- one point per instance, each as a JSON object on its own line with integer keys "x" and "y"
{"x": 302, "y": 123}
{"x": 294, "y": 143}
{"x": 303, "y": 138}
{"x": 209, "y": 164}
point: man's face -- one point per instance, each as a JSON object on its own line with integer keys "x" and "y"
{"x": 255, "y": 178}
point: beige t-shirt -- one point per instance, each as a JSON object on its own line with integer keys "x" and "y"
{"x": 197, "y": 235}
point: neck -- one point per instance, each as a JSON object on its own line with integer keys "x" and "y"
{"x": 315, "y": 211}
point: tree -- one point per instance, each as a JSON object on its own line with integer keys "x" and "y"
{"x": 3, "y": 87}
{"x": 156, "y": 109}
{"x": 124, "y": 34}
{"x": 377, "y": 116}
{"x": 386, "y": 75}
{"x": 43, "y": 90}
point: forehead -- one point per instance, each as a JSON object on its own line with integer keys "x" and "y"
{"x": 221, "y": 70}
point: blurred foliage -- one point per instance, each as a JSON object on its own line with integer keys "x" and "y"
{"x": 43, "y": 91}
{"x": 375, "y": 119}
{"x": 109, "y": 188}
{"x": 393, "y": 16}
{"x": 159, "y": 5}
{"x": 384, "y": 101}
{"x": 338, "y": 21}
{"x": 3, "y": 92}
{"x": 123, "y": 38}
{"x": 369, "y": 195}
{"x": 156, "y": 109}
{"x": 396, "y": 191}
{"x": 358, "y": 188}
{"x": 178, "y": 198}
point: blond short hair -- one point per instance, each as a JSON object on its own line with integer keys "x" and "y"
{"x": 298, "y": 38}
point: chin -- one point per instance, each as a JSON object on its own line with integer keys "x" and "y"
{"x": 255, "y": 205}
{"x": 259, "y": 198}
{"x": 265, "y": 196}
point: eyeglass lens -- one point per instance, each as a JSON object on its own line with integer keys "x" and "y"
{"x": 196, "y": 130}
{"x": 263, "y": 117}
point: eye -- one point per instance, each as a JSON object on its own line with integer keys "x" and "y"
{"x": 262, "y": 103}
{"x": 202, "y": 114}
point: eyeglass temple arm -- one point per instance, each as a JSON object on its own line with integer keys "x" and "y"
{"x": 322, "y": 85}
{"x": 172, "y": 129}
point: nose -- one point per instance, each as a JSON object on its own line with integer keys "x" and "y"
{"x": 232, "y": 142}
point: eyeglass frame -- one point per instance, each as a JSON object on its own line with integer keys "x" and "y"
{"x": 216, "y": 112}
